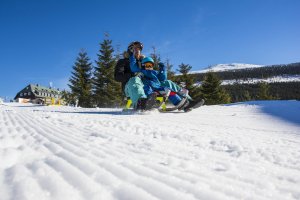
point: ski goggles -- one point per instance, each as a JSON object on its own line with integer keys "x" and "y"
{"x": 148, "y": 65}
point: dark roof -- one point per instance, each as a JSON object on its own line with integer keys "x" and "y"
{"x": 38, "y": 88}
{"x": 38, "y": 91}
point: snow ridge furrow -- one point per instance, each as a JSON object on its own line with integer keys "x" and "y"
{"x": 215, "y": 152}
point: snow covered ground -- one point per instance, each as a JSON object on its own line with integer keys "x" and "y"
{"x": 275, "y": 79}
{"x": 226, "y": 67}
{"x": 239, "y": 151}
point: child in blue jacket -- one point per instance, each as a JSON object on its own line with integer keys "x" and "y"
{"x": 152, "y": 79}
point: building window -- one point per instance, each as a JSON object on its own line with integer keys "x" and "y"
{"x": 29, "y": 93}
{"x": 21, "y": 94}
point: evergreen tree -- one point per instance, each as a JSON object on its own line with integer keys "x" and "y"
{"x": 170, "y": 72}
{"x": 188, "y": 80}
{"x": 156, "y": 58}
{"x": 263, "y": 91}
{"x": 68, "y": 97}
{"x": 246, "y": 96}
{"x": 212, "y": 91}
{"x": 107, "y": 92}
{"x": 118, "y": 54}
{"x": 81, "y": 80}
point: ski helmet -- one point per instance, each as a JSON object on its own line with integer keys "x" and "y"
{"x": 147, "y": 59}
{"x": 135, "y": 43}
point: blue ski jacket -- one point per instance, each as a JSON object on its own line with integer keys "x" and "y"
{"x": 151, "y": 78}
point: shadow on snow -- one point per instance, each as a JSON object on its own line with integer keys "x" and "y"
{"x": 287, "y": 110}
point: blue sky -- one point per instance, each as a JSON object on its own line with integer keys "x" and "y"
{"x": 40, "y": 40}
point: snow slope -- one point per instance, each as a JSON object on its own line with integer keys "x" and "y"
{"x": 238, "y": 151}
{"x": 274, "y": 79}
{"x": 226, "y": 67}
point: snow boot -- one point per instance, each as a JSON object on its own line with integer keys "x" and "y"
{"x": 140, "y": 104}
{"x": 183, "y": 103}
{"x": 147, "y": 104}
{"x": 150, "y": 102}
{"x": 193, "y": 104}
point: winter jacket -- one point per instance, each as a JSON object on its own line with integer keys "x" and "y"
{"x": 123, "y": 72}
{"x": 151, "y": 78}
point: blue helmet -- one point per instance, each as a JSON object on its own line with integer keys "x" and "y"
{"x": 147, "y": 59}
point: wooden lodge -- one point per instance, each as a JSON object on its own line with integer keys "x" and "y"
{"x": 35, "y": 93}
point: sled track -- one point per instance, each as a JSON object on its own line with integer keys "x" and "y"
{"x": 114, "y": 157}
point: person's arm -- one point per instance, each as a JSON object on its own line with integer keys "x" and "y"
{"x": 133, "y": 64}
{"x": 152, "y": 74}
{"x": 162, "y": 73}
{"x": 120, "y": 74}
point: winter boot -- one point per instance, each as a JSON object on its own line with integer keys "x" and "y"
{"x": 184, "y": 103}
{"x": 193, "y": 104}
{"x": 141, "y": 104}
{"x": 150, "y": 101}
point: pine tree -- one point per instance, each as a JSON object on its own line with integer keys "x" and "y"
{"x": 118, "y": 54}
{"x": 68, "y": 97}
{"x": 212, "y": 91}
{"x": 246, "y": 96}
{"x": 156, "y": 58}
{"x": 170, "y": 72}
{"x": 107, "y": 92}
{"x": 263, "y": 92}
{"x": 81, "y": 80}
{"x": 188, "y": 81}
{"x": 184, "y": 78}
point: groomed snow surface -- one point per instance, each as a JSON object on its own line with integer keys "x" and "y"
{"x": 239, "y": 151}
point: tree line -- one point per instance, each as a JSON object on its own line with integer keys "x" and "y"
{"x": 263, "y": 91}
{"x": 260, "y": 91}
{"x": 260, "y": 73}
{"x": 93, "y": 84}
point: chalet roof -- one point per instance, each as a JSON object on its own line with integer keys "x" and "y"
{"x": 37, "y": 91}
{"x": 38, "y": 88}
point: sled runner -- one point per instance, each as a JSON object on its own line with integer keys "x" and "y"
{"x": 161, "y": 104}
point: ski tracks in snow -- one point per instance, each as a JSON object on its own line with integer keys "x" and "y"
{"x": 66, "y": 153}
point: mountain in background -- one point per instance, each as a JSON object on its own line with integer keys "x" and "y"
{"x": 242, "y": 80}
{"x": 227, "y": 67}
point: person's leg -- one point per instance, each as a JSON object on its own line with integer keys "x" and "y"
{"x": 175, "y": 99}
{"x": 176, "y": 88}
{"x": 134, "y": 89}
{"x": 170, "y": 84}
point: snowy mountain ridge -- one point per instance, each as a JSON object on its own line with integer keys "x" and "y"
{"x": 281, "y": 76}
{"x": 274, "y": 79}
{"x": 226, "y": 67}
